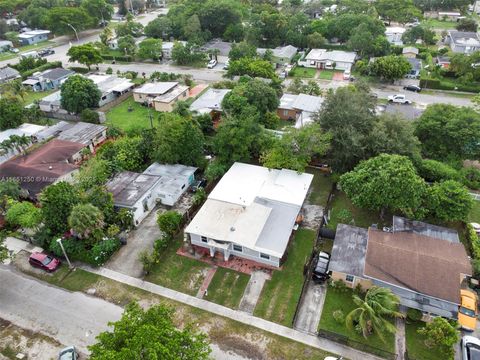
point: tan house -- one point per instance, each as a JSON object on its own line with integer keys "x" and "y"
{"x": 410, "y": 52}
{"x": 161, "y": 95}
{"x": 299, "y": 108}
{"x": 423, "y": 264}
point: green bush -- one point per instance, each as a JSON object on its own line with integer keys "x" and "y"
{"x": 124, "y": 58}
{"x": 109, "y": 71}
{"x": 339, "y": 285}
{"x": 90, "y": 116}
{"x": 169, "y": 222}
{"x": 103, "y": 250}
{"x": 433, "y": 170}
{"x": 471, "y": 177}
{"x": 148, "y": 261}
{"x": 73, "y": 247}
{"x": 78, "y": 69}
{"x": 444, "y": 85}
{"x": 47, "y": 66}
{"x": 414, "y": 314}
{"x": 339, "y": 316}
{"x": 474, "y": 241}
{"x": 476, "y": 268}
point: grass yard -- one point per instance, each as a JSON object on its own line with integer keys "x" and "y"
{"x": 227, "y": 287}
{"x": 280, "y": 295}
{"x": 474, "y": 215}
{"x": 31, "y": 96}
{"x": 327, "y": 74}
{"x": 178, "y": 272}
{"x": 120, "y": 117}
{"x": 439, "y": 24}
{"x": 415, "y": 343}
{"x": 303, "y": 72}
{"x": 355, "y": 216}
{"x": 320, "y": 188}
{"x": 336, "y": 300}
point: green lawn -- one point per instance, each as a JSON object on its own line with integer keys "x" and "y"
{"x": 303, "y": 72}
{"x": 475, "y": 212}
{"x": 320, "y": 188}
{"x": 415, "y": 343}
{"x": 40, "y": 45}
{"x": 280, "y": 295}
{"x": 327, "y": 74}
{"x": 111, "y": 52}
{"x": 359, "y": 217}
{"x": 138, "y": 118}
{"x": 439, "y": 24}
{"x": 336, "y": 300}
{"x": 178, "y": 272}
{"x": 31, "y": 96}
{"x": 227, "y": 287}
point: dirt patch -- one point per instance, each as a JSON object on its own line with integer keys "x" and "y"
{"x": 312, "y": 216}
{"x": 15, "y": 340}
{"x": 197, "y": 279}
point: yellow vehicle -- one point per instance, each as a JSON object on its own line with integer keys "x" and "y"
{"x": 467, "y": 312}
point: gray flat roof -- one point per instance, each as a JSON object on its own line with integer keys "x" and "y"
{"x": 82, "y": 132}
{"x": 128, "y": 187}
{"x": 401, "y": 224}
{"x": 209, "y": 100}
{"x": 172, "y": 177}
{"x": 156, "y": 88}
{"x": 349, "y": 249}
{"x": 57, "y": 73}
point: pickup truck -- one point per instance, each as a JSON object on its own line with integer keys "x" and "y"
{"x": 399, "y": 99}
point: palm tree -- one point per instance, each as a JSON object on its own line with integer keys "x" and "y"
{"x": 6, "y": 146}
{"x": 373, "y": 312}
{"x": 214, "y": 53}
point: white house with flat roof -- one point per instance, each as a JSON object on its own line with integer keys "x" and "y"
{"x": 251, "y": 213}
{"x": 329, "y": 59}
{"x": 394, "y": 34}
{"x": 111, "y": 87}
{"x": 33, "y": 37}
{"x": 28, "y": 130}
{"x": 210, "y": 101}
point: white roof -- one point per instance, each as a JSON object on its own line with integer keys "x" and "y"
{"x": 209, "y": 100}
{"x": 301, "y": 102}
{"x": 171, "y": 95}
{"x": 410, "y": 49}
{"x": 30, "y": 34}
{"x": 394, "y": 30}
{"x": 156, "y": 88}
{"x": 110, "y": 83}
{"x": 334, "y": 55}
{"x": 253, "y": 206}
{"x": 24, "y": 129}
{"x": 5, "y": 43}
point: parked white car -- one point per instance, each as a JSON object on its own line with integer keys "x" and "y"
{"x": 399, "y": 99}
{"x": 212, "y": 63}
{"x": 346, "y": 75}
{"x": 476, "y": 227}
{"x": 470, "y": 348}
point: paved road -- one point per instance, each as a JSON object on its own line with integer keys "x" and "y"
{"x": 70, "y": 318}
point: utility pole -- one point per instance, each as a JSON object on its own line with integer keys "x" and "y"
{"x": 59, "y": 240}
{"x": 76, "y": 35}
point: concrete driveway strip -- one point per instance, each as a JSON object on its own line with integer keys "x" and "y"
{"x": 71, "y": 318}
{"x": 310, "y": 310}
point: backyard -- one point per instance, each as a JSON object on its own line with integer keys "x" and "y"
{"x": 342, "y": 300}
{"x": 439, "y": 24}
{"x": 320, "y": 188}
{"x": 416, "y": 348}
{"x": 227, "y": 287}
{"x": 138, "y": 118}
{"x": 178, "y": 272}
{"x": 328, "y": 74}
{"x": 280, "y": 295}
{"x": 32, "y": 96}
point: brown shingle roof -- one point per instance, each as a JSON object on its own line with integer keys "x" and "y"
{"x": 420, "y": 263}
{"x": 41, "y": 167}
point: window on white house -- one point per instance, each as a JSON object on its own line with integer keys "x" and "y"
{"x": 285, "y": 112}
{"x": 349, "y": 278}
{"x": 204, "y": 239}
{"x": 265, "y": 256}
{"x": 237, "y": 248}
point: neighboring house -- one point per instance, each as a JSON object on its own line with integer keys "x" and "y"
{"x": 394, "y": 35}
{"x": 89, "y": 135}
{"x": 280, "y": 55}
{"x": 161, "y": 95}
{"x": 52, "y": 162}
{"x": 51, "y": 103}
{"x": 251, "y": 213}
{"x": 416, "y": 65}
{"x": 33, "y": 37}
{"x": 210, "y": 102}
{"x": 167, "y": 47}
{"x": 111, "y": 87}
{"x": 463, "y": 42}
{"x": 421, "y": 263}
{"x": 135, "y": 192}
{"x": 329, "y": 59}
{"x": 47, "y": 80}
{"x": 449, "y": 15}
{"x": 223, "y": 47}
{"x": 299, "y": 108}
{"x": 5, "y": 45}
{"x": 443, "y": 61}
{"x": 174, "y": 181}
{"x": 410, "y": 52}
{"x": 7, "y": 73}
{"x": 28, "y": 130}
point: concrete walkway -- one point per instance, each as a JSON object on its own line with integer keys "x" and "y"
{"x": 400, "y": 345}
{"x": 310, "y": 310}
{"x": 239, "y": 316}
{"x": 253, "y": 290}
{"x": 206, "y": 282}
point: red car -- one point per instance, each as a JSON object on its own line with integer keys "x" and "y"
{"x": 44, "y": 261}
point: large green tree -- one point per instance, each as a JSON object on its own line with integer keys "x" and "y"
{"x": 188, "y": 54}
{"x": 402, "y": 11}
{"x": 296, "y": 148}
{"x": 251, "y": 67}
{"x": 100, "y": 10}
{"x": 159, "y": 28}
{"x": 152, "y": 333}
{"x": 390, "y": 68}
{"x": 241, "y": 50}
{"x": 449, "y": 201}
{"x": 449, "y": 132}
{"x": 57, "y": 201}
{"x": 79, "y": 93}
{"x": 178, "y": 140}
{"x": 85, "y": 54}
{"x": 441, "y": 333}
{"x": 127, "y": 45}
{"x": 374, "y": 312}
{"x": 61, "y": 19}
{"x": 150, "y": 49}
{"x": 24, "y": 214}
{"x": 11, "y": 113}
{"x": 385, "y": 182}
{"x": 85, "y": 218}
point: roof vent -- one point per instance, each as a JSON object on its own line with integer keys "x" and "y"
{"x": 232, "y": 229}
{"x": 50, "y": 167}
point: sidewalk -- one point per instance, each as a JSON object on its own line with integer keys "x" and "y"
{"x": 239, "y": 316}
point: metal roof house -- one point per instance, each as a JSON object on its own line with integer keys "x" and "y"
{"x": 28, "y": 130}
{"x": 33, "y": 37}
{"x": 48, "y": 79}
{"x": 281, "y": 55}
{"x": 7, "y": 73}
{"x": 421, "y": 263}
{"x": 251, "y": 213}
{"x": 5, "y": 45}
{"x": 84, "y": 133}
{"x": 463, "y": 42}
{"x": 162, "y": 95}
{"x": 394, "y": 34}
{"x": 111, "y": 87}
{"x": 299, "y": 108}
{"x": 210, "y": 101}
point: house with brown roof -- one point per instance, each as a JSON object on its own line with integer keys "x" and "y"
{"x": 423, "y": 264}
{"x": 53, "y": 162}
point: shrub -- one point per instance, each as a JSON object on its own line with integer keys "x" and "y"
{"x": 199, "y": 196}
{"x": 169, "y": 222}
{"x": 339, "y": 285}
{"x": 160, "y": 245}
{"x": 414, "y": 314}
{"x": 345, "y": 216}
{"x": 109, "y": 71}
{"x": 79, "y": 69}
{"x": 90, "y": 116}
{"x": 474, "y": 241}
{"x": 433, "y": 170}
{"x": 103, "y": 250}
{"x": 72, "y": 247}
{"x": 339, "y": 316}
{"x": 476, "y": 268}
{"x": 124, "y": 219}
{"x": 471, "y": 177}
{"x": 147, "y": 260}
{"x": 47, "y": 66}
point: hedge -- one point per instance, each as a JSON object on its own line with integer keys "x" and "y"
{"x": 80, "y": 70}
{"x": 47, "y": 66}
{"x": 126, "y": 58}
{"x": 442, "y": 85}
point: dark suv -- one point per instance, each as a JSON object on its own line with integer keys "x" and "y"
{"x": 413, "y": 88}
{"x": 320, "y": 272}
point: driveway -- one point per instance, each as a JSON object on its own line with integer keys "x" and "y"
{"x": 253, "y": 291}
{"x": 70, "y": 318}
{"x": 142, "y": 238}
{"x": 310, "y": 309}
